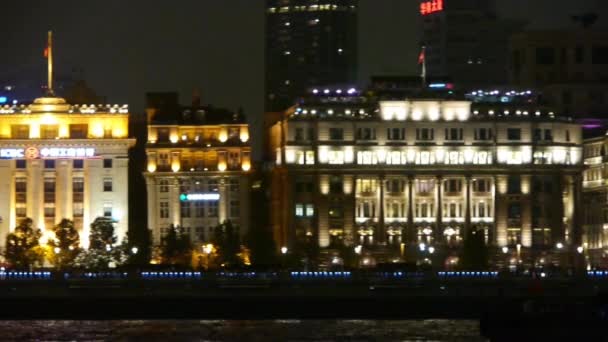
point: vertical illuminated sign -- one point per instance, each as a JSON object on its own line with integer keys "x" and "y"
{"x": 428, "y": 7}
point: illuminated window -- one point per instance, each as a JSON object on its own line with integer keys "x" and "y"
{"x": 395, "y": 133}
{"x": 184, "y": 209}
{"x": 77, "y": 189}
{"x": 49, "y": 131}
{"x": 79, "y": 131}
{"x": 310, "y": 157}
{"x": 366, "y": 158}
{"x": 163, "y": 185}
{"x": 164, "y": 210}
{"x": 212, "y": 209}
{"x": 199, "y": 209}
{"x": 425, "y": 134}
{"x": 299, "y": 210}
{"x": 483, "y": 134}
{"x": 425, "y": 185}
{"x": 366, "y": 133}
{"x": 107, "y": 209}
{"x": 310, "y": 210}
{"x": 78, "y": 209}
{"x": 20, "y": 131}
{"x": 453, "y": 134}
{"x": 335, "y": 157}
{"x": 235, "y": 211}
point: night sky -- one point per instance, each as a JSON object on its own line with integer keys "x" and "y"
{"x": 126, "y": 48}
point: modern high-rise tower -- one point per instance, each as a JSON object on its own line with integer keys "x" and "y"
{"x": 308, "y": 43}
{"x": 466, "y": 41}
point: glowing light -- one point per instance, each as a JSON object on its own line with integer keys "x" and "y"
{"x": 559, "y": 245}
{"x": 505, "y": 250}
{"x": 246, "y": 166}
{"x": 210, "y": 196}
{"x": 174, "y": 138}
{"x": 223, "y": 136}
{"x": 221, "y": 166}
{"x": 284, "y": 250}
{"x": 422, "y": 247}
{"x": 579, "y": 249}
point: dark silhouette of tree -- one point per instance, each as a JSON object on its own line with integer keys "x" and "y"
{"x": 262, "y": 247}
{"x": 176, "y": 248}
{"x": 21, "y": 243}
{"x": 66, "y": 244}
{"x": 228, "y": 243}
{"x": 474, "y": 254}
{"x": 142, "y": 242}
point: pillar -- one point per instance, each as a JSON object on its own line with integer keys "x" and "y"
{"x": 35, "y": 193}
{"x": 380, "y": 231}
{"x": 438, "y": 232}
{"x": 411, "y": 228}
{"x": 500, "y": 209}
{"x": 467, "y": 205}
{"x": 222, "y": 209}
{"x": 526, "y": 210}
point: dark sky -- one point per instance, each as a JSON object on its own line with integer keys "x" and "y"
{"x": 127, "y": 48}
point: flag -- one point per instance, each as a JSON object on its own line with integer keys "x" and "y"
{"x": 422, "y": 56}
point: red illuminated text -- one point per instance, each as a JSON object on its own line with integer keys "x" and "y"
{"x": 429, "y": 7}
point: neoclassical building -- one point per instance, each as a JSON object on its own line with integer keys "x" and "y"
{"x": 595, "y": 200}
{"x": 63, "y": 161}
{"x": 198, "y": 163}
{"x": 360, "y": 171}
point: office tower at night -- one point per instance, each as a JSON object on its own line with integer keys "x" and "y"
{"x": 465, "y": 41}
{"x": 197, "y": 175}
{"x": 308, "y": 43}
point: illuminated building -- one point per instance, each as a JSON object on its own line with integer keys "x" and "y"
{"x": 308, "y": 43}
{"x": 198, "y": 163}
{"x": 465, "y": 41}
{"x": 354, "y": 170}
{"x": 61, "y": 161}
{"x": 595, "y": 201}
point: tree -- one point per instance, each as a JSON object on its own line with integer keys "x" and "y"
{"x": 21, "y": 245}
{"x": 101, "y": 252}
{"x": 474, "y": 255}
{"x": 65, "y": 245}
{"x": 176, "y": 248}
{"x": 263, "y": 250}
{"x": 228, "y": 243}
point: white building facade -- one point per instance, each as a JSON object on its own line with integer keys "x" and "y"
{"x": 61, "y": 161}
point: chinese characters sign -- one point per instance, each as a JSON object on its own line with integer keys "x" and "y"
{"x": 47, "y": 152}
{"x": 433, "y": 6}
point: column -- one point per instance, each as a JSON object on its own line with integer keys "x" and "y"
{"x": 35, "y": 193}
{"x": 63, "y": 188}
{"x": 500, "y": 209}
{"x": 526, "y": 214}
{"x": 174, "y": 202}
{"x": 349, "y": 210}
{"x": 380, "y": 232}
{"x": 411, "y": 229}
{"x": 323, "y": 211}
{"x": 467, "y": 205}
{"x": 438, "y": 232}
{"x": 153, "y": 211}
{"x": 223, "y": 203}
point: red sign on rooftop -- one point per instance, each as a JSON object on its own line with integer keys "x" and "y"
{"x": 433, "y": 6}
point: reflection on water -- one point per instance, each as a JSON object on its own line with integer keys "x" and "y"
{"x": 219, "y": 330}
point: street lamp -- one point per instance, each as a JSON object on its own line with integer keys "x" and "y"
{"x": 358, "y": 249}
{"x": 431, "y": 250}
{"x": 57, "y": 250}
{"x": 505, "y": 249}
{"x": 422, "y": 247}
{"x": 134, "y": 250}
{"x": 283, "y": 250}
{"x": 579, "y": 249}
{"x": 559, "y": 245}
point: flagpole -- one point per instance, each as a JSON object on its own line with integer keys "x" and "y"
{"x": 423, "y": 74}
{"x": 50, "y": 63}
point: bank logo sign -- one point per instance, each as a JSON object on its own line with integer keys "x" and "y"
{"x": 47, "y": 152}
{"x": 209, "y": 196}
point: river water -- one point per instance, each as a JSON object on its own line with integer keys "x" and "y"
{"x": 221, "y": 330}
